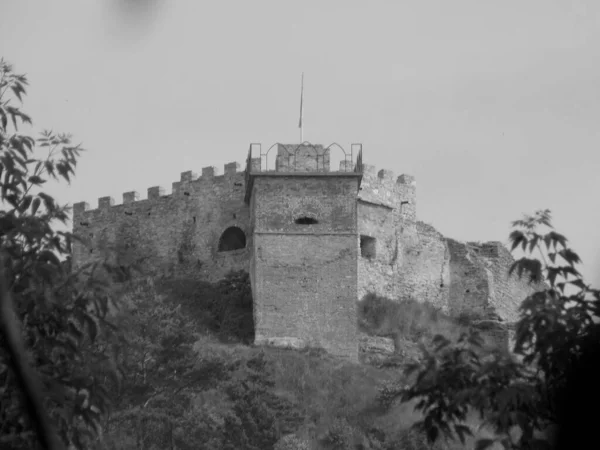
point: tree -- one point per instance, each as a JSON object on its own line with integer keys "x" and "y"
{"x": 529, "y": 392}
{"x": 50, "y": 395}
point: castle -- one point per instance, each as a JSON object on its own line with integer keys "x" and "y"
{"x": 314, "y": 241}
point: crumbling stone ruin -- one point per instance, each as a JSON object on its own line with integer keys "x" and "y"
{"x": 314, "y": 241}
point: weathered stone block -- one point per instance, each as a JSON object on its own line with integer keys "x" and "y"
{"x": 209, "y": 172}
{"x": 155, "y": 192}
{"x": 188, "y": 176}
{"x": 105, "y": 202}
{"x": 130, "y": 197}
{"x": 407, "y": 179}
{"x": 80, "y": 207}
{"x": 231, "y": 168}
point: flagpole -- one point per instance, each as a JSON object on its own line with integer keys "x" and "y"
{"x": 301, "y": 123}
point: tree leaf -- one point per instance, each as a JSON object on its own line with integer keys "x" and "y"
{"x": 35, "y": 205}
{"x": 34, "y": 179}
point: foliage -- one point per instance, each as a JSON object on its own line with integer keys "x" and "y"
{"x": 509, "y": 393}
{"x": 407, "y": 318}
{"x": 50, "y": 317}
{"x": 224, "y": 308}
{"x": 154, "y": 351}
{"x": 180, "y": 390}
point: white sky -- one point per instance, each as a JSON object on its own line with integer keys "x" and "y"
{"x": 494, "y": 107}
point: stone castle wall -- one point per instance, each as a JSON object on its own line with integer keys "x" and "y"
{"x": 172, "y": 233}
{"x": 412, "y": 259}
{"x": 367, "y": 239}
{"x": 305, "y": 274}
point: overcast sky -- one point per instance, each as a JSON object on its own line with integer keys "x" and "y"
{"x": 494, "y": 106}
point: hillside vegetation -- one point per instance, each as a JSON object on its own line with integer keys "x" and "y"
{"x": 191, "y": 379}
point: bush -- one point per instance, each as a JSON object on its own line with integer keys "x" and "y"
{"x": 407, "y": 318}
{"x": 224, "y": 308}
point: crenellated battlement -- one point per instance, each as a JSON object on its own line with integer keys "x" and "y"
{"x": 189, "y": 182}
{"x": 387, "y": 176}
{"x": 382, "y": 187}
{"x": 377, "y": 186}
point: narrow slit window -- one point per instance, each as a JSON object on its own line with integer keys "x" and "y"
{"x": 306, "y": 220}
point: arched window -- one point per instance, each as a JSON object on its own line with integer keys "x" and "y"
{"x": 233, "y": 238}
{"x": 304, "y": 220}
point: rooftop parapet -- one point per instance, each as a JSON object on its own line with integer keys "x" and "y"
{"x": 305, "y": 158}
{"x": 299, "y": 158}
{"x": 302, "y": 158}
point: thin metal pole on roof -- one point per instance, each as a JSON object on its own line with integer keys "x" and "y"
{"x": 300, "y": 123}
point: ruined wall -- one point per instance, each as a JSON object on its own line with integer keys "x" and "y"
{"x": 383, "y": 202}
{"x": 507, "y": 292}
{"x": 376, "y": 273}
{"x": 424, "y": 267}
{"x": 470, "y": 280}
{"x": 480, "y": 285}
{"x": 412, "y": 258}
{"x": 305, "y": 274}
{"x": 480, "y": 282}
{"x": 177, "y": 234}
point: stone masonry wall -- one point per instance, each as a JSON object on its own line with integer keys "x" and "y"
{"x": 470, "y": 281}
{"x": 424, "y": 266}
{"x": 177, "y": 233}
{"x": 412, "y": 258}
{"x": 306, "y": 274}
{"x": 377, "y": 273}
{"x": 305, "y": 278}
{"x": 507, "y": 292}
{"x": 480, "y": 285}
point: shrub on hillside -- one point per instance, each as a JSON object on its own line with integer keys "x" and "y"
{"x": 406, "y": 318}
{"x": 224, "y": 308}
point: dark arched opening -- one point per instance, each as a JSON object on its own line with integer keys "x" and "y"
{"x": 233, "y": 238}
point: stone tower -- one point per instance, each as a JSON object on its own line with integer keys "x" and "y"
{"x": 304, "y": 249}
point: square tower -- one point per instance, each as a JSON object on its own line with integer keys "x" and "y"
{"x": 304, "y": 252}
